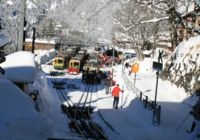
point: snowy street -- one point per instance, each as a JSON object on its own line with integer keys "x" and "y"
{"x": 99, "y": 69}
{"x": 132, "y": 121}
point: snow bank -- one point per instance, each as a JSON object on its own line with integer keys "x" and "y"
{"x": 20, "y": 67}
{"x": 191, "y": 46}
{"x": 45, "y": 55}
{"x": 19, "y": 119}
{"x": 182, "y": 68}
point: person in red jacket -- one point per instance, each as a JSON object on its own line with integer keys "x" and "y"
{"x": 115, "y": 94}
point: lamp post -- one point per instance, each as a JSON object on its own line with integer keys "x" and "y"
{"x": 21, "y": 25}
{"x": 156, "y": 109}
{"x": 111, "y": 79}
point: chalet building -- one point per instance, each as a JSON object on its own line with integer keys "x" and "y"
{"x": 190, "y": 25}
{"x": 41, "y": 44}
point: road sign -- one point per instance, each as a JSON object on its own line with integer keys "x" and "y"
{"x": 135, "y": 68}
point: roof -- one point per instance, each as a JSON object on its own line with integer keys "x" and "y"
{"x": 20, "y": 67}
{"x": 3, "y": 40}
{"x": 43, "y": 41}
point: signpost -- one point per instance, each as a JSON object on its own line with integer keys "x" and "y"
{"x": 157, "y": 109}
{"x": 157, "y": 66}
{"x": 135, "y": 69}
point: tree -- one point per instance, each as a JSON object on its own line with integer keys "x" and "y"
{"x": 138, "y": 17}
{"x": 169, "y": 8}
{"x": 135, "y": 20}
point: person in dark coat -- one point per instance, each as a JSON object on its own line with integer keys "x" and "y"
{"x": 115, "y": 93}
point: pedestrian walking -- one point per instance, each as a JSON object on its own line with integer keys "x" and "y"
{"x": 115, "y": 93}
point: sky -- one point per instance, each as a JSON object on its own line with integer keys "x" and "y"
{"x": 21, "y": 121}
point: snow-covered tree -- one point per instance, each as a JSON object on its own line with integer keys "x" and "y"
{"x": 137, "y": 15}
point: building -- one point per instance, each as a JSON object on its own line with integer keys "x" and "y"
{"x": 41, "y": 44}
{"x": 189, "y": 25}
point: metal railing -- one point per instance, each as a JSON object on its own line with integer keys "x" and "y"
{"x": 148, "y": 103}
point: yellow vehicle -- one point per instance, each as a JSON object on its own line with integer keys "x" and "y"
{"x": 76, "y": 64}
{"x": 62, "y": 60}
{"x": 59, "y": 63}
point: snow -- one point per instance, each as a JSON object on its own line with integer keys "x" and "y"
{"x": 19, "y": 119}
{"x": 20, "y": 67}
{"x": 9, "y": 2}
{"x": 43, "y": 56}
{"x": 45, "y": 41}
{"x": 131, "y": 122}
{"x": 186, "y": 60}
{"x": 155, "y": 20}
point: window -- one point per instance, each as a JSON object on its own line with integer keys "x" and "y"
{"x": 60, "y": 61}
{"x": 198, "y": 22}
{"x": 76, "y": 65}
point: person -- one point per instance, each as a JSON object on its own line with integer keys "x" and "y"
{"x": 107, "y": 84}
{"x": 115, "y": 94}
{"x": 160, "y": 56}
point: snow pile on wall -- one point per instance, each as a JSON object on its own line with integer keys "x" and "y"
{"x": 44, "y": 56}
{"x": 20, "y": 67}
{"x": 41, "y": 85}
{"x": 19, "y": 119}
{"x": 183, "y": 68}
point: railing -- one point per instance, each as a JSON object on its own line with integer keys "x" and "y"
{"x": 148, "y": 103}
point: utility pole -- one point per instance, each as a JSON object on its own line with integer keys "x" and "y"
{"x": 112, "y": 68}
{"x": 21, "y": 25}
{"x": 33, "y": 41}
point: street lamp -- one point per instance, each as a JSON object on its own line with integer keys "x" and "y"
{"x": 21, "y": 25}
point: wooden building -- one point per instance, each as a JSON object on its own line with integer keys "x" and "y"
{"x": 40, "y": 44}
{"x": 190, "y": 25}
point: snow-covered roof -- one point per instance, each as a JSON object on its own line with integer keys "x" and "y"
{"x": 20, "y": 67}
{"x": 44, "y": 41}
{"x": 19, "y": 119}
{"x": 129, "y": 51}
{"x": 3, "y": 40}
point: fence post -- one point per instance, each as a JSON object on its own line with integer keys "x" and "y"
{"x": 156, "y": 115}
{"x": 159, "y": 114}
{"x": 141, "y": 96}
{"x": 145, "y": 101}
